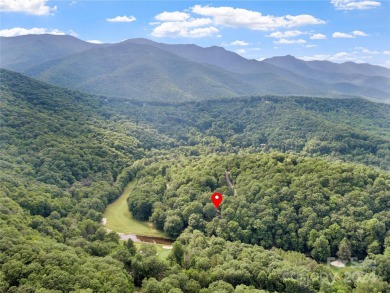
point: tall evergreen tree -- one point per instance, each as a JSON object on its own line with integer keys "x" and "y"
{"x": 344, "y": 252}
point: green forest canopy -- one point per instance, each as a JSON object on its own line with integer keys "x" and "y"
{"x": 67, "y": 155}
{"x": 278, "y": 200}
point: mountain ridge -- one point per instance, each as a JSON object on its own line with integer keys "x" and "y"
{"x": 124, "y": 70}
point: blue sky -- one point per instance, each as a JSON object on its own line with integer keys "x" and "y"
{"x": 334, "y": 30}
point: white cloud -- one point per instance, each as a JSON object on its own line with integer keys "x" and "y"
{"x": 286, "y": 34}
{"x": 349, "y": 35}
{"x": 342, "y": 35}
{"x": 238, "y": 17}
{"x": 369, "y": 52}
{"x": 318, "y": 37}
{"x": 311, "y": 46}
{"x": 247, "y": 50}
{"x": 290, "y": 41}
{"x": 366, "y": 51}
{"x": 36, "y": 7}
{"x": 187, "y": 28}
{"x": 73, "y": 33}
{"x": 191, "y": 28}
{"x": 202, "y": 32}
{"x": 172, "y": 16}
{"x": 95, "y": 42}
{"x": 249, "y": 53}
{"x": 285, "y": 37}
{"x": 19, "y": 31}
{"x": 236, "y": 43}
{"x": 122, "y": 19}
{"x": 340, "y": 56}
{"x": 315, "y": 57}
{"x": 210, "y": 19}
{"x": 359, "y": 34}
{"x": 241, "y": 51}
{"x": 355, "y": 5}
{"x": 386, "y": 52}
{"x": 354, "y": 56}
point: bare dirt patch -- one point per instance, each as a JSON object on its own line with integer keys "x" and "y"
{"x": 338, "y": 264}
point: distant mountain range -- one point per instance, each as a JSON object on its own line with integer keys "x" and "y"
{"x": 141, "y": 69}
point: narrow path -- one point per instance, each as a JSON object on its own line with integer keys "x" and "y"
{"x": 227, "y": 176}
{"x": 117, "y": 218}
{"x": 229, "y": 182}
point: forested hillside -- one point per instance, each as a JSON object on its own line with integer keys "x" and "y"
{"x": 348, "y": 129}
{"x": 278, "y": 200}
{"x": 61, "y": 164}
{"x": 66, "y": 155}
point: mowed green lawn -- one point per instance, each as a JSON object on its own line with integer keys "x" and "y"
{"x": 120, "y": 220}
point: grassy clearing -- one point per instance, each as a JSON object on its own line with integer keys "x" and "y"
{"x": 120, "y": 220}
{"x": 349, "y": 272}
{"x": 162, "y": 253}
{"x": 348, "y": 268}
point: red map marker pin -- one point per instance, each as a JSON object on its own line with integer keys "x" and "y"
{"x": 216, "y": 198}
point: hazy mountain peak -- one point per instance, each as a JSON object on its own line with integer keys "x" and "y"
{"x": 139, "y": 41}
{"x": 21, "y": 52}
{"x": 286, "y": 58}
{"x": 216, "y": 48}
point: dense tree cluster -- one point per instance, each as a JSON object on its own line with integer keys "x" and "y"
{"x": 32, "y": 261}
{"x": 278, "y": 200}
{"x": 212, "y": 264}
